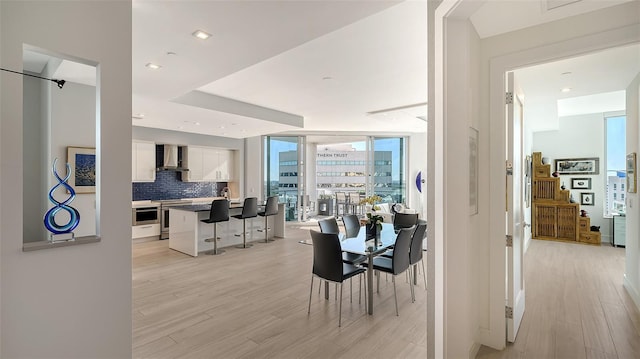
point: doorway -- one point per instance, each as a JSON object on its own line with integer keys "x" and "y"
{"x": 489, "y": 328}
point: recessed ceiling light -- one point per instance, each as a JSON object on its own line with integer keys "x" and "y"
{"x": 201, "y": 34}
{"x": 221, "y": 127}
{"x": 138, "y": 116}
{"x": 180, "y": 127}
{"x": 171, "y": 53}
{"x": 327, "y": 78}
{"x": 566, "y": 89}
{"x": 197, "y": 123}
{"x": 566, "y": 73}
{"x": 153, "y": 66}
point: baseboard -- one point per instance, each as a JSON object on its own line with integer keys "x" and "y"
{"x": 633, "y": 293}
{"x": 473, "y": 351}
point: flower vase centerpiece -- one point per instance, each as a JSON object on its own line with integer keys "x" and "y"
{"x": 374, "y": 221}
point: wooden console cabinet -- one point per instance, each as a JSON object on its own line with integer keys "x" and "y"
{"x": 553, "y": 215}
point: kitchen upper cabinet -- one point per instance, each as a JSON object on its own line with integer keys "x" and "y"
{"x": 208, "y": 164}
{"x": 143, "y": 161}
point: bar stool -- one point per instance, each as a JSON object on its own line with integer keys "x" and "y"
{"x": 219, "y": 213}
{"x": 270, "y": 209}
{"x": 249, "y": 210}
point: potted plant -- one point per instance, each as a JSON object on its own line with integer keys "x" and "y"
{"x": 374, "y": 221}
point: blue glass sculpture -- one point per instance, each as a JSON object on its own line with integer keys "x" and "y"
{"x": 74, "y": 215}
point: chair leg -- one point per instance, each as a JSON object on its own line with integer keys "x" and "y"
{"x": 395, "y": 296}
{"x": 359, "y": 289}
{"x": 311, "y": 291}
{"x": 351, "y": 290}
{"x": 412, "y": 271}
{"x": 340, "y": 307}
{"x": 424, "y": 275}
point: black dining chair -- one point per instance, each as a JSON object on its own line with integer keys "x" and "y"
{"x": 404, "y": 220}
{"x": 328, "y": 264}
{"x": 351, "y": 225}
{"x": 249, "y": 210}
{"x": 329, "y": 225}
{"x": 270, "y": 209}
{"x": 399, "y": 263}
{"x": 219, "y": 213}
{"x": 415, "y": 252}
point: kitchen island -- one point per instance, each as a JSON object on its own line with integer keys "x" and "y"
{"x": 187, "y": 233}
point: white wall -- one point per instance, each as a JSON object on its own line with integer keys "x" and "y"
{"x": 71, "y": 302}
{"x": 632, "y": 269}
{"x": 254, "y": 177}
{"x": 461, "y": 294}
{"x": 579, "y": 136}
{"x": 417, "y": 149}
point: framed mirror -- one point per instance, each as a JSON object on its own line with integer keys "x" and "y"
{"x": 59, "y": 128}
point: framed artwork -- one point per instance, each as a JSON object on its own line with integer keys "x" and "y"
{"x": 587, "y": 198}
{"x": 632, "y": 185}
{"x": 83, "y": 168}
{"x": 473, "y": 171}
{"x": 578, "y": 166}
{"x": 581, "y": 183}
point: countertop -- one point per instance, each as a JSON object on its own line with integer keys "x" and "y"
{"x": 203, "y": 207}
{"x": 140, "y": 204}
{"x": 181, "y": 202}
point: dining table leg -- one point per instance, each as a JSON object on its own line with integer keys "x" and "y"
{"x": 370, "y": 284}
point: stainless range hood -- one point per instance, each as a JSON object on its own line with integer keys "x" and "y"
{"x": 171, "y": 160}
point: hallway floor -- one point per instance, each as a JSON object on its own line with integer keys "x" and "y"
{"x": 576, "y": 306}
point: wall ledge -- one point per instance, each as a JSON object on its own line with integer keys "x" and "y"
{"x": 34, "y": 246}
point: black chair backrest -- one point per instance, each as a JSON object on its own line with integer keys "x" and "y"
{"x": 219, "y": 210}
{"x": 415, "y": 252}
{"x": 250, "y": 207}
{"x": 327, "y": 256}
{"x": 329, "y": 225}
{"x": 271, "y": 207}
{"x": 351, "y": 225}
{"x": 400, "y": 260}
{"x": 404, "y": 220}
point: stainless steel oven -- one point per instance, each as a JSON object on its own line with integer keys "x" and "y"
{"x": 145, "y": 215}
{"x": 164, "y": 215}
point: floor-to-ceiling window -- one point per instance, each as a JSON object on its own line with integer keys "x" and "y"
{"x": 282, "y": 161}
{"x": 615, "y": 130}
{"x": 388, "y": 169}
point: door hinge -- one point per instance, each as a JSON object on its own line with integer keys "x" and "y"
{"x": 509, "y": 168}
{"x": 508, "y": 312}
{"x": 509, "y": 98}
{"x": 509, "y": 240}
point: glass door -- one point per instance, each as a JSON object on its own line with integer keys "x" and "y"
{"x": 387, "y": 161}
{"x": 282, "y": 158}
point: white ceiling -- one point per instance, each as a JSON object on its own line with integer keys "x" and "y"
{"x": 597, "y": 83}
{"x": 325, "y": 66}
{"x": 329, "y": 62}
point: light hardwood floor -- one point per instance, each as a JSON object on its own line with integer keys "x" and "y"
{"x": 576, "y": 306}
{"x": 252, "y": 303}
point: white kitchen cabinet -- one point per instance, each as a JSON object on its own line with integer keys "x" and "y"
{"x": 143, "y": 161}
{"x": 208, "y": 164}
{"x": 147, "y": 230}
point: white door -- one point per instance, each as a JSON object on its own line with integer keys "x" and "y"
{"x": 515, "y": 298}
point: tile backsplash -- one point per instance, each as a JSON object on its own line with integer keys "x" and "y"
{"x": 169, "y": 186}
